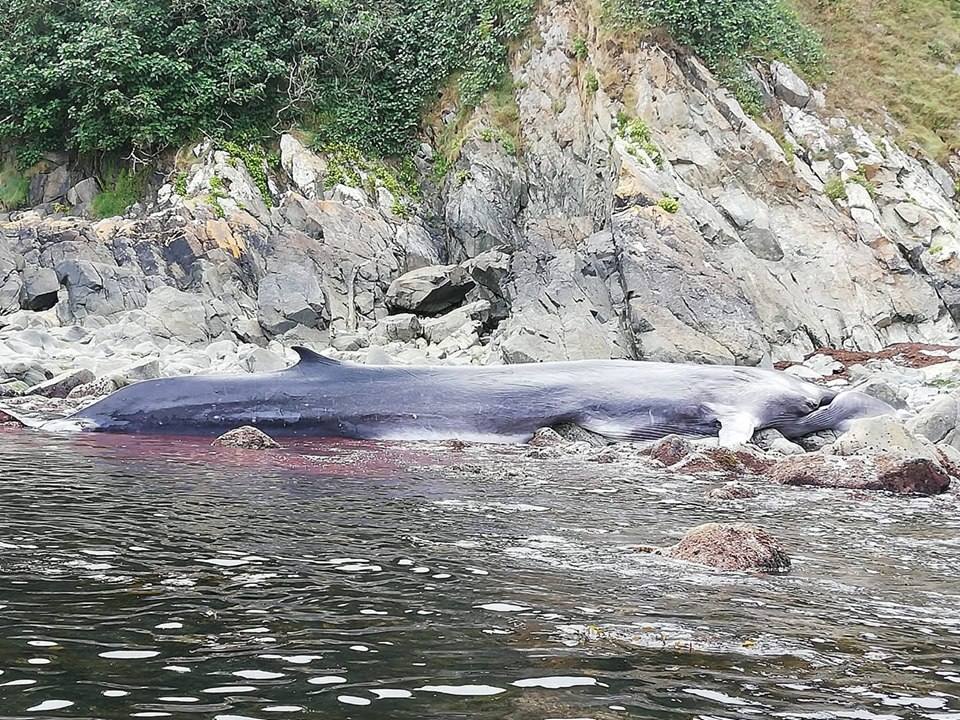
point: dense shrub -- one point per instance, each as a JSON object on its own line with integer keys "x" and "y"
{"x": 104, "y": 74}
{"x": 724, "y": 33}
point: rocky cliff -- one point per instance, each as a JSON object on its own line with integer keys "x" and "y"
{"x": 638, "y": 212}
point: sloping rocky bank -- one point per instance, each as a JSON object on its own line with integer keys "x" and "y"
{"x": 638, "y": 213}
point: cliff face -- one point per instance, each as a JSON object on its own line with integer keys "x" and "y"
{"x": 568, "y": 249}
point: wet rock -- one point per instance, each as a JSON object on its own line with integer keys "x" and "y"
{"x": 771, "y": 440}
{"x": 571, "y": 432}
{"x": 733, "y": 490}
{"x": 670, "y": 450}
{"x": 729, "y": 461}
{"x": 61, "y": 385}
{"x": 817, "y": 441}
{"x": 546, "y": 437}
{"x": 731, "y": 546}
{"x": 889, "y": 471}
{"x": 606, "y": 455}
{"x": 247, "y": 437}
{"x": 430, "y": 290}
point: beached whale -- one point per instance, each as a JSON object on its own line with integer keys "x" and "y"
{"x": 619, "y": 399}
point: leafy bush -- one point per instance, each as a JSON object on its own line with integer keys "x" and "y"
{"x": 14, "y": 188}
{"x": 835, "y": 189}
{"x": 592, "y": 83}
{"x": 637, "y": 132}
{"x": 668, "y": 204}
{"x": 95, "y": 75}
{"x": 119, "y": 192}
{"x": 580, "y": 48}
{"x": 725, "y": 32}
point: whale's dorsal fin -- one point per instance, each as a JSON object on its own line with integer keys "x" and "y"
{"x": 308, "y": 357}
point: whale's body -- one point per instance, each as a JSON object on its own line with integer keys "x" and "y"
{"x": 620, "y": 399}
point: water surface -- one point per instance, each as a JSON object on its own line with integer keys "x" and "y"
{"x": 163, "y": 578}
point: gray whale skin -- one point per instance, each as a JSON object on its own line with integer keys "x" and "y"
{"x": 620, "y": 399}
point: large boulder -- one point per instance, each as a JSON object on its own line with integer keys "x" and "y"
{"x": 403, "y": 327}
{"x": 430, "y": 290}
{"x": 938, "y": 421}
{"x": 731, "y": 546}
{"x": 40, "y": 288}
{"x": 289, "y": 298}
{"x": 788, "y": 86}
{"x": 890, "y": 471}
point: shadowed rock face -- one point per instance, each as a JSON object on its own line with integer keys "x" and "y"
{"x": 731, "y": 546}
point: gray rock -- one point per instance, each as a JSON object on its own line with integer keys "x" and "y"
{"x": 61, "y": 385}
{"x": 546, "y": 437}
{"x": 883, "y": 434}
{"x": 246, "y": 437}
{"x": 788, "y": 86}
{"x": 771, "y": 440}
{"x": 936, "y": 421}
{"x": 290, "y": 298}
{"x": 81, "y": 195}
{"x": 148, "y": 369}
{"x": 430, "y": 290}
{"x": 306, "y": 169}
{"x": 466, "y": 320}
{"x": 13, "y": 388}
{"x": 403, "y": 327}
{"x": 817, "y": 441}
{"x": 55, "y": 184}
{"x": 884, "y": 391}
{"x": 40, "y": 288}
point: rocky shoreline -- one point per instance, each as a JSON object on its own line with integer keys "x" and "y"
{"x": 642, "y": 216}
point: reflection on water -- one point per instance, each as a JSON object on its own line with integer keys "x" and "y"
{"x": 161, "y": 578}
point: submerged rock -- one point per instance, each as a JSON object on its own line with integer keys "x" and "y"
{"x": 731, "y": 491}
{"x": 890, "y": 471}
{"x": 247, "y": 437}
{"x": 731, "y": 546}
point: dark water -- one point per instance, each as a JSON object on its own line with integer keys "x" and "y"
{"x": 163, "y": 579}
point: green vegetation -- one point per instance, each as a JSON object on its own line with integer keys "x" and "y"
{"x": 180, "y": 184}
{"x": 507, "y": 141}
{"x": 101, "y": 75}
{"x": 724, "y": 33}
{"x": 835, "y": 189}
{"x": 120, "y": 190}
{"x": 254, "y": 159}
{"x": 348, "y": 165}
{"x": 580, "y": 49}
{"x": 591, "y": 81}
{"x": 895, "y": 55}
{"x": 218, "y": 191}
{"x": 14, "y": 188}
{"x": 637, "y": 133}
{"x": 668, "y": 204}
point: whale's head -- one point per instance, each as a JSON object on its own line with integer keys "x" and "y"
{"x": 835, "y": 412}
